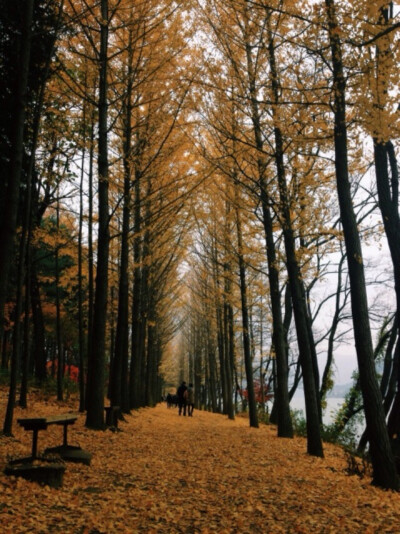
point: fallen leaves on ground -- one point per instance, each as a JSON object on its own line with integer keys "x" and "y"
{"x": 168, "y": 474}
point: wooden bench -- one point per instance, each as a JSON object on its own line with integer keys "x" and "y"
{"x": 41, "y": 423}
{"x": 47, "y": 469}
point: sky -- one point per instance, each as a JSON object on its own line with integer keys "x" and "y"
{"x": 381, "y": 300}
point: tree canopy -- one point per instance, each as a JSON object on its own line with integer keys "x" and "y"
{"x": 204, "y": 191}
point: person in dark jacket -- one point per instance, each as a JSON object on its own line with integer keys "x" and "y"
{"x": 181, "y": 398}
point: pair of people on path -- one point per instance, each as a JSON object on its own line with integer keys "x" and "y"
{"x": 185, "y": 399}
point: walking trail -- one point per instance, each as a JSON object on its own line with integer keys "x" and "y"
{"x": 168, "y": 474}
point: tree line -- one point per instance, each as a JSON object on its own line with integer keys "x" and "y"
{"x": 180, "y": 179}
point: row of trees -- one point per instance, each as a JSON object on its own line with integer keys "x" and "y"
{"x": 292, "y": 95}
{"x": 103, "y": 174}
{"x": 180, "y": 179}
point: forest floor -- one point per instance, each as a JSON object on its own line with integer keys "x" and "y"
{"x": 168, "y": 474}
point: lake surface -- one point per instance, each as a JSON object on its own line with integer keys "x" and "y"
{"x": 328, "y": 416}
{"x": 333, "y": 404}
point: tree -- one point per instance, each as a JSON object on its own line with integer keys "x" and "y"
{"x": 384, "y": 470}
{"x": 96, "y": 358}
{"x": 246, "y": 326}
{"x": 386, "y": 167}
{"x": 297, "y": 290}
{"x": 25, "y": 80}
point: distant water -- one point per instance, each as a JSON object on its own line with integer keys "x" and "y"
{"x": 333, "y": 404}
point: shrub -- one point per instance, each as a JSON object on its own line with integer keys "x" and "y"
{"x": 299, "y": 423}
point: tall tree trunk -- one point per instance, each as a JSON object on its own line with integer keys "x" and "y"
{"x": 302, "y": 320}
{"x": 227, "y": 308}
{"x": 144, "y": 305}
{"x": 7, "y": 228}
{"x": 389, "y": 373}
{"x": 198, "y": 369}
{"x": 228, "y": 343}
{"x": 388, "y": 195}
{"x": 16, "y": 347}
{"x": 90, "y": 244}
{"x": 221, "y": 348}
{"x": 285, "y": 428}
{"x": 151, "y": 360}
{"x": 28, "y": 212}
{"x": 81, "y": 332}
{"x": 9, "y": 215}
{"x": 212, "y": 371}
{"x": 119, "y": 375}
{"x": 26, "y": 236}
{"x": 60, "y": 362}
{"x": 136, "y": 347}
{"x": 384, "y": 469}
{"x": 96, "y": 364}
{"x": 248, "y": 361}
{"x": 212, "y": 379}
{"x": 39, "y": 349}
{"x": 219, "y": 324}
{"x": 284, "y": 420}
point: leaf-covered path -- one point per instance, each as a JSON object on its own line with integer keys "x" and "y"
{"x": 165, "y": 473}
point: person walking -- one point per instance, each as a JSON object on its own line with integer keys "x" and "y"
{"x": 181, "y": 398}
{"x": 190, "y": 400}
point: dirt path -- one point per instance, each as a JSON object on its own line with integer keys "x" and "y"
{"x": 166, "y": 474}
